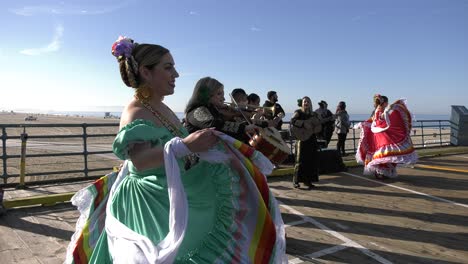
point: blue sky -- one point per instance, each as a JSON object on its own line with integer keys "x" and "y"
{"x": 56, "y": 54}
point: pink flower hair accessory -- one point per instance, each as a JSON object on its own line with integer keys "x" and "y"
{"x": 123, "y": 47}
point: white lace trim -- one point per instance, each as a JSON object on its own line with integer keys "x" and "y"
{"x": 404, "y": 160}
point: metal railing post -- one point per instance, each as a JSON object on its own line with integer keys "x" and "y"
{"x": 85, "y": 150}
{"x": 4, "y": 155}
{"x": 354, "y": 138}
{"x": 24, "y": 138}
{"x": 422, "y": 134}
{"x": 440, "y": 133}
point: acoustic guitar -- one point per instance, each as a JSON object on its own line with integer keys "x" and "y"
{"x": 310, "y": 126}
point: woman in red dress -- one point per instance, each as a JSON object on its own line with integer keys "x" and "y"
{"x": 385, "y": 139}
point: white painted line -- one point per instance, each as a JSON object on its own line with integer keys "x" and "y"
{"x": 337, "y": 248}
{"x": 295, "y": 261}
{"x": 327, "y": 251}
{"x": 379, "y": 246}
{"x": 328, "y": 230}
{"x": 341, "y": 226}
{"x": 299, "y": 222}
{"x": 368, "y": 252}
{"x": 407, "y": 190}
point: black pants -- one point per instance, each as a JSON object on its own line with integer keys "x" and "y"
{"x": 340, "y": 146}
{"x": 306, "y": 169}
{"x": 327, "y": 133}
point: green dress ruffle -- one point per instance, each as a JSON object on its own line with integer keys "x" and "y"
{"x": 141, "y": 201}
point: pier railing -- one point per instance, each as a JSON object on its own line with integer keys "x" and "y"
{"x": 68, "y": 152}
{"x": 84, "y": 151}
{"x": 424, "y": 134}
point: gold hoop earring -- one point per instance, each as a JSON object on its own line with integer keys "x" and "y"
{"x": 143, "y": 93}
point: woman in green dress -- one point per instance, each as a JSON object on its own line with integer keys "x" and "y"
{"x": 219, "y": 210}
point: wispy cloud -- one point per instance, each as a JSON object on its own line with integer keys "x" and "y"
{"x": 63, "y": 9}
{"x": 358, "y": 18}
{"x": 193, "y": 13}
{"x": 54, "y": 45}
{"x": 255, "y": 29}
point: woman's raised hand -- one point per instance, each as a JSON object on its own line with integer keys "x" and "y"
{"x": 201, "y": 140}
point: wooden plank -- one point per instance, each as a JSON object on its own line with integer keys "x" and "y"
{"x": 395, "y": 224}
{"x": 41, "y": 233}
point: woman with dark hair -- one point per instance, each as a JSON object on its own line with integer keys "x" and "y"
{"x": 385, "y": 139}
{"x": 305, "y": 120}
{"x": 342, "y": 125}
{"x": 204, "y": 110}
{"x": 154, "y": 210}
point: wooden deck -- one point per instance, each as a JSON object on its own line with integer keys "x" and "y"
{"x": 422, "y": 217}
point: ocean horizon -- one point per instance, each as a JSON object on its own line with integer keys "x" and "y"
{"x": 353, "y": 117}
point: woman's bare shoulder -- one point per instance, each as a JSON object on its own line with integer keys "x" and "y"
{"x": 133, "y": 111}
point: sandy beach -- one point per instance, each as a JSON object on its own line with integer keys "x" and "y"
{"x": 18, "y": 118}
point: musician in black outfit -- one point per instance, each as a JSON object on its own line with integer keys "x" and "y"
{"x": 306, "y": 169}
{"x": 278, "y": 113}
{"x": 240, "y": 96}
{"x": 206, "y": 109}
{"x": 328, "y": 122}
{"x": 253, "y": 99}
{"x": 258, "y": 116}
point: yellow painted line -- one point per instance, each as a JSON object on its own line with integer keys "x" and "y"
{"x": 282, "y": 172}
{"x": 439, "y": 168}
{"x": 50, "y": 199}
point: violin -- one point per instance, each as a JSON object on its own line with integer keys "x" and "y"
{"x": 231, "y": 112}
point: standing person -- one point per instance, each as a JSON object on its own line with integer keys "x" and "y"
{"x": 258, "y": 116}
{"x": 156, "y": 211}
{"x": 206, "y": 109}
{"x": 328, "y": 122}
{"x": 278, "y": 113}
{"x": 342, "y": 125}
{"x": 385, "y": 139}
{"x": 306, "y": 169}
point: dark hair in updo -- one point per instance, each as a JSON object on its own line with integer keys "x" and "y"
{"x": 380, "y": 99}
{"x": 148, "y": 55}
